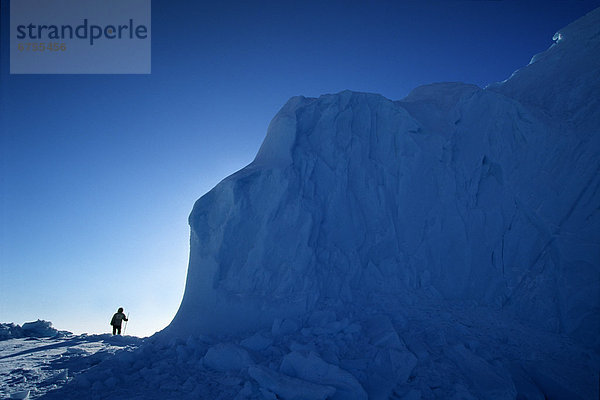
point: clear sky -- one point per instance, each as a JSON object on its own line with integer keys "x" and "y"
{"x": 100, "y": 172}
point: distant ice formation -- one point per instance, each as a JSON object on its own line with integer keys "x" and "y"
{"x": 36, "y": 329}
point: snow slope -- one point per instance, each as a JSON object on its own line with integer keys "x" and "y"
{"x": 487, "y": 197}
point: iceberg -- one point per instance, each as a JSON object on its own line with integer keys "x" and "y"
{"x": 481, "y": 197}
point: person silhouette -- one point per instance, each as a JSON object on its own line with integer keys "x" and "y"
{"x": 117, "y": 320}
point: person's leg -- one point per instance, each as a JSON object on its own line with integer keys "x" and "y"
{"x": 118, "y": 330}
{"x": 114, "y": 330}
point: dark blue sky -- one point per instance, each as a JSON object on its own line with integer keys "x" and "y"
{"x": 99, "y": 172}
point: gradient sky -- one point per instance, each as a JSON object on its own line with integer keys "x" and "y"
{"x": 100, "y": 172}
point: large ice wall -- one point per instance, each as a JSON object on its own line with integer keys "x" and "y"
{"x": 479, "y": 196}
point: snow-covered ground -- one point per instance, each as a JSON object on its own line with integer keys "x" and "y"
{"x": 41, "y": 364}
{"x": 421, "y": 352}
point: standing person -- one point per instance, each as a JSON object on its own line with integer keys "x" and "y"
{"x": 117, "y": 320}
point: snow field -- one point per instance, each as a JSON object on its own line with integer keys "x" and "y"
{"x": 421, "y": 353}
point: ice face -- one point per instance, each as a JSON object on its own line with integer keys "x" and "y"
{"x": 479, "y": 196}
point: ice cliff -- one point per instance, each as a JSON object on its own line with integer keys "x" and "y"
{"x": 461, "y": 195}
